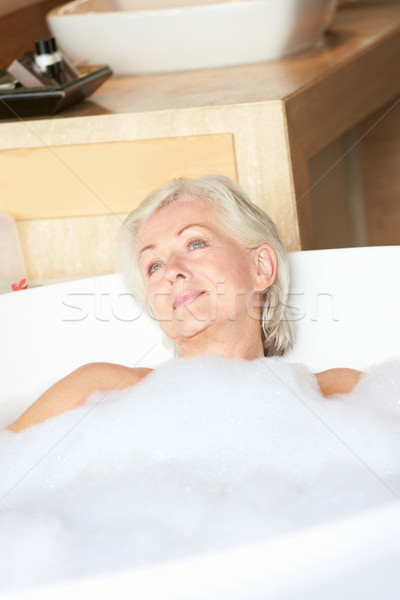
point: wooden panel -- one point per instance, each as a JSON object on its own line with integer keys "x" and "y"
{"x": 9, "y": 6}
{"x": 300, "y": 190}
{"x": 20, "y": 29}
{"x": 380, "y": 160}
{"x": 329, "y": 192}
{"x": 95, "y": 179}
{"x": 71, "y": 247}
{"x": 321, "y": 113}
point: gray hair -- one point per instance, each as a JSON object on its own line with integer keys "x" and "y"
{"x": 243, "y": 221}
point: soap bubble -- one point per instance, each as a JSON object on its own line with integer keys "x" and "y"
{"x": 203, "y": 454}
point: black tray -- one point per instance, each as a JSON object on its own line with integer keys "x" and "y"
{"x": 42, "y": 101}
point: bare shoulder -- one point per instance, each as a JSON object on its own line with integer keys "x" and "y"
{"x": 72, "y": 391}
{"x": 97, "y": 376}
{"x": 105, "y": 376}
{"x": 338, "y": 381}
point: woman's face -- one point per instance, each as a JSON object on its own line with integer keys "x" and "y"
{"x": 199, "y": 282}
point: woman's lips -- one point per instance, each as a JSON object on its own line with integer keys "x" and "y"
{"x": 188, "y": 296}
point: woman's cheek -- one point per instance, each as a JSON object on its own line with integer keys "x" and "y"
{"x": 151, "y": 299}
{"x": 158, "y": 302}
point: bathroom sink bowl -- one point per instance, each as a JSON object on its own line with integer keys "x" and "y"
{"x": 148, "y": 36}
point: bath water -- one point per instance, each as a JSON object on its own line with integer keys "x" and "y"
{"x": 203, "y": 454}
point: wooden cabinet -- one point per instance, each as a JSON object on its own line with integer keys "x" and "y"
{"x": 69, "y": 180}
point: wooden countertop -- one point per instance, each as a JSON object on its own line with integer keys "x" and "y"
{"x": 356, "y": 31}
{"x": 323, "y": 91}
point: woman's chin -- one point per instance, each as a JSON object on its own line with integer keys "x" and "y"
{"x": 186, "y": 328}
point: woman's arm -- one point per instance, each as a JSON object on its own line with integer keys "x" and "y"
{"x": 337, "y": 381}
{"x": 72, "y": 391}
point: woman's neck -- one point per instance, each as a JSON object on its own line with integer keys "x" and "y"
{"x": 248, "y": 346}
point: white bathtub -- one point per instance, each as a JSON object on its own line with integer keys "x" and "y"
{"x": 346, "y": 306}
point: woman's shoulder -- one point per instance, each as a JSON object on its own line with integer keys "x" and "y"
{"x": 338, "y": 381}
{"x": 109, "y": 375}
{"x": 72, "y": 391}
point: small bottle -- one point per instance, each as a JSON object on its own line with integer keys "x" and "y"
{"x": 48, "y": 59}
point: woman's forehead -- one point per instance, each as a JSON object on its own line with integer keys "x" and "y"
{"x": 187, "y": 205}
{"x": 180, "y": 213}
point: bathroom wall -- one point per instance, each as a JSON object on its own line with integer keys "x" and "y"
{"x": 8, "y": 6}
{"x": 27, "y": 16}
{"x": 355, "y": 184}
{"x": 329, "y": 170}
{"x": 341, "y": 2}
{"x": 380, "y": 160}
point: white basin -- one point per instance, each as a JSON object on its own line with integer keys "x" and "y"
{"x": 149, "y": 36}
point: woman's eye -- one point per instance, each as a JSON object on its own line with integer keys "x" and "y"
{"x": 191, "y": 245}
{"x": 153, "y": 267}
{"x": 194, "y": 244}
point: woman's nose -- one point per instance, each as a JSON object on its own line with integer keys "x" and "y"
{"x": 176, "y": 268}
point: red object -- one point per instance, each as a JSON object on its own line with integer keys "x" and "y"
{"x": 22, "y": 285}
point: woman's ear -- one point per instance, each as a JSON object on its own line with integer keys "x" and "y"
{"x": 266, "y": 264}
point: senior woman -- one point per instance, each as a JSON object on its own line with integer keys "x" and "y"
{"x": 211, "y": 268}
